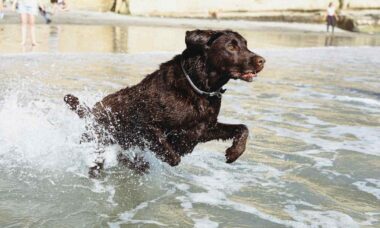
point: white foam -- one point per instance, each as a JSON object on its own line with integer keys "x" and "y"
{"x": 127, "y": 216}
{"x": 316, "y": 218}
{"x": 371, "y": 186}
{"x": 225, "y": 179}
{"x": 205, "y": 222}
{"x": 365, "y": 101}
{"x": 319, "y": 162}
{"x": 103, "y": 187}
{"x": 41, "y": 134}
{"x": 368, "y": 143}
{"x": 372, "y": 218}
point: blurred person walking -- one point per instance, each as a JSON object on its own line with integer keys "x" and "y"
{"x": 331, "y": 17}
{"x": 27, "y": 9}
{"x": 45, "y": 14}
{"x": 1, "y": 9}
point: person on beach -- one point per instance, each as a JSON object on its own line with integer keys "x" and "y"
{"x": 331, "y": 17}
{"x": 27, "y": 9}
{"x": 1, "y": 9}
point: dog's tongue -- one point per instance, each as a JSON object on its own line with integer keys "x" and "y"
{"x": 248, "y": 76}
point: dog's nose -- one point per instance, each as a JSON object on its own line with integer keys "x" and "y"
{"x": 259, "y": 61}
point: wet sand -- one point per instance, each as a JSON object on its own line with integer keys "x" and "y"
{"x": 109, "y": 18}
{"x": 80, "y": 31}
{"x": 139, "y": 39}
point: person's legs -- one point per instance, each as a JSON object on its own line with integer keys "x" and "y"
{"x": 31, "y": 22}
{"x": 24, "y": 22}
{"x": 333, "y": 24}
{"x": 328, "y": 23}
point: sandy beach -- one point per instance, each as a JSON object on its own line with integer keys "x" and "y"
{"x": 74, "y": 31}
{"x": 109, "y": 18}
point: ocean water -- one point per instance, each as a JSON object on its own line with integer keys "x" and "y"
{"x": 312, "y": 159}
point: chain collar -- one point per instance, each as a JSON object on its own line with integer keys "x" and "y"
{"x": 217, "y": 93}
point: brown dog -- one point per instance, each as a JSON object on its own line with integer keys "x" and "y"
{"x": 177, "y": 106}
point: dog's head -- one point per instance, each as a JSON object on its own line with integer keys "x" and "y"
{"x": 226, "y": 52}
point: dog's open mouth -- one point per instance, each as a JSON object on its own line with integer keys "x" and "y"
{"x": 246, "y": 75}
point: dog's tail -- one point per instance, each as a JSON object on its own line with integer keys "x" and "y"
{"x": 76, "y": 106}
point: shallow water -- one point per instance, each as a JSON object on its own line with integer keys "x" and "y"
{"x": 137, "y": 39}
{"x": 312, "y": 158}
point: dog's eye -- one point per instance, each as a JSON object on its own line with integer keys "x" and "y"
{"x": 232, "y": 47}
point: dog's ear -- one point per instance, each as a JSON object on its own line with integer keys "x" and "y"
{"x": 201, "y": 39}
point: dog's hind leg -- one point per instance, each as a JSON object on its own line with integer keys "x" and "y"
{"x": 75, "y": 105}
{"x": 102, "y": 138}
{"x": 137, "y": 164}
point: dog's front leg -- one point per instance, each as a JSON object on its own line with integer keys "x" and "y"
{"x": 239, "y": 134}
{"x": 163, "y": 149}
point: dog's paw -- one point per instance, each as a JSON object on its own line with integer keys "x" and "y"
{"x": 234, "y": 153}
{"x": 72, "y": 101}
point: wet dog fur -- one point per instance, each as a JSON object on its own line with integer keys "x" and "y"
{"x": 164, "y": 113}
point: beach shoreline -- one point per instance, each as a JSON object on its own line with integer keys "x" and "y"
{"x": 108, "y": 18}
{"x": 88, "y": 31}
{"x": 279, "y": 21}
